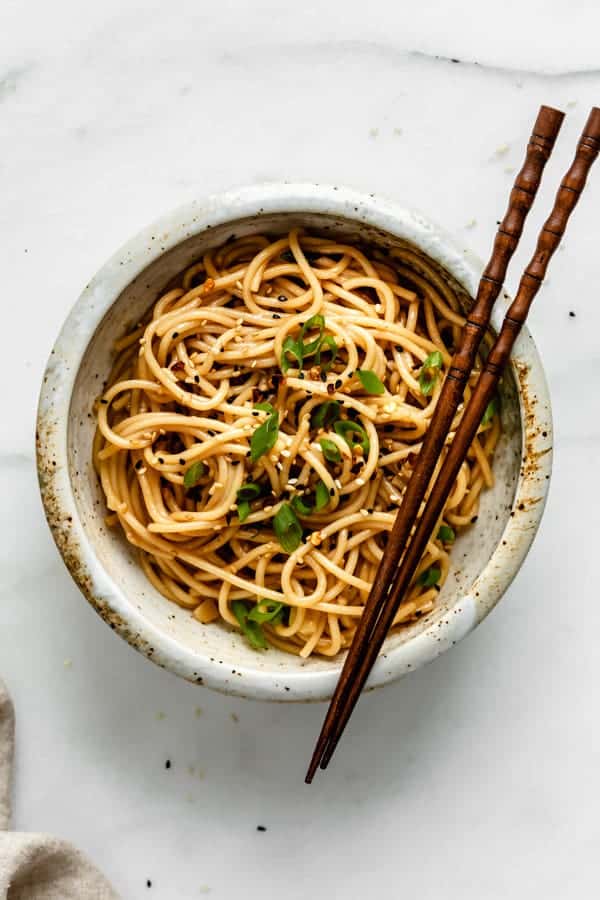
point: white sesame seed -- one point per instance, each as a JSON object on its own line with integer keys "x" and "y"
{"x": 285, "y": 453}
{"x": 338, "y": 484}
{"x": 360, "y": 481}
{"x": 364, "y": 512}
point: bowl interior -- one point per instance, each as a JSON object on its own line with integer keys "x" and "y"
{"x": 217, "y": 644}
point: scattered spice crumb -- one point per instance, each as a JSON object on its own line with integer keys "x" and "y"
{"x": 204, "y": 889}
{"x": 471, "y": 223}
{"x": 373, "y": 132}
{"x": 192, "y": 770}
{"x": 235, "y": 717}
{"x": 160, "y": 716}
{"x": 571, "y": 104}
{"x": 502, "y": 150}
{"x": 397, "y": 132}
{"x": 260, "y": 828}
{"x": 509, "y": 170}
{"x": 69, "y": 662}
{"x": 198, "y": 712}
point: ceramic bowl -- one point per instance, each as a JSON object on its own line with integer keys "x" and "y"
{"x": 485, "y": 558}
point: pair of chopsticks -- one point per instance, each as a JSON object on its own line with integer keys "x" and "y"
{"x": 392, "y": 580}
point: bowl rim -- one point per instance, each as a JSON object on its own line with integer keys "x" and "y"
{"x": 59, "y": 380}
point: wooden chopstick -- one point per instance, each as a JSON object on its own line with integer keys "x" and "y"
{"x": 539, "y": 148}
{"x": 549, "y": 239}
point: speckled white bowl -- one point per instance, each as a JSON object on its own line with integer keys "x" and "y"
{"x": 485, "y": 559}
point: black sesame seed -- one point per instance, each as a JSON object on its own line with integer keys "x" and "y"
{"x": 168, "y": 764}
{"x": 276, "y": 316}
{"x": 331, "y": 492}
{"x": 338, "y": 383}
{"x": 301, "y": 376}
{"x": 104, "y": 401}
{"x": 255, "y": 412}
{"x": 260, "y": 828}
{"x": 282, "y": 298}
{"x": 323, "y": 376}
{"x": 572, "y": 314}
{"x": 474, "y": 519}
{"x": 370, "y": 511}
{"x": 139, "y": 464}
{"x": 161, "y": 460}
{"x": 175, "y": 334}
{"x": 182, "y": 462}
{"x": 197, "y": 379}
{"x": 148, "y": 883}
{"x": 388, "y": 428}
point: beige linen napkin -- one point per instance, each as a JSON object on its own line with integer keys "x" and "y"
{"x": 36, "y": 866}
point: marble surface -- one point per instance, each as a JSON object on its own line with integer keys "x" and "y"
{"x": 478, "y": 776}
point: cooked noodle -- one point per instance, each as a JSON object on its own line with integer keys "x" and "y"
{"x": 183, "y": 390}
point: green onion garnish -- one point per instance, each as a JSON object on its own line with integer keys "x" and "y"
{"x": 429, "y": 577}
{"x": 446, "y": 534}
{"x": 321, "y": 496}
{"x": 302, "y": 504}
{"x": 346, "y": 428}
{"x": 312, "y": 347}
{"x": 251, "y": 629}
{"x": 266, "y": 611}
{"x": 287, "y": 528}
{"x": 371, "y": 383}
{"x": 265, "y": 407}
{"x": 329, "y": 343}
{"x": 325, "y": 413}
{"x": 331, "y": 451}
{"x": 490, "y": 410}
{"x": 247, "y": 492}
{"x": 430, "y": 371}
{"x": 193, "y": 475}
{"x": 264, "y": 437}
{"x": 290, "y": 346}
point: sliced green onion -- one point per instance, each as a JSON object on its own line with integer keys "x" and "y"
{"x": 429, "y": 577}
{"x": 312, "y": 347}
{"x": 287, "y": 528}
{"x": 264, "y": 437}
{"x": 251, "y": 630}
{"x": 243, "y": 510}
{"x": 321, "y": 496}
{"x": 328, "y": 342}
{"x": 346, "y": 428}
{"x": 331, "y": 451}
{"x": 430, "y": 371}
{"x": 290, "y": 346}
{"x": 265, "y": 407}
{"x": 446, "y": 534}
{"x": 193, "y": 474}
{"x": 247, "y": 492}
{"x": 325, "y": 413}
{"x": 371, "y": 383}
{"x": 266, "y": 611}
{"x": 490, "y": 410}
{"x": 301, "y": 504}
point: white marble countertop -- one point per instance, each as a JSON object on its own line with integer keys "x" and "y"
{"x": 478, "y": 776}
